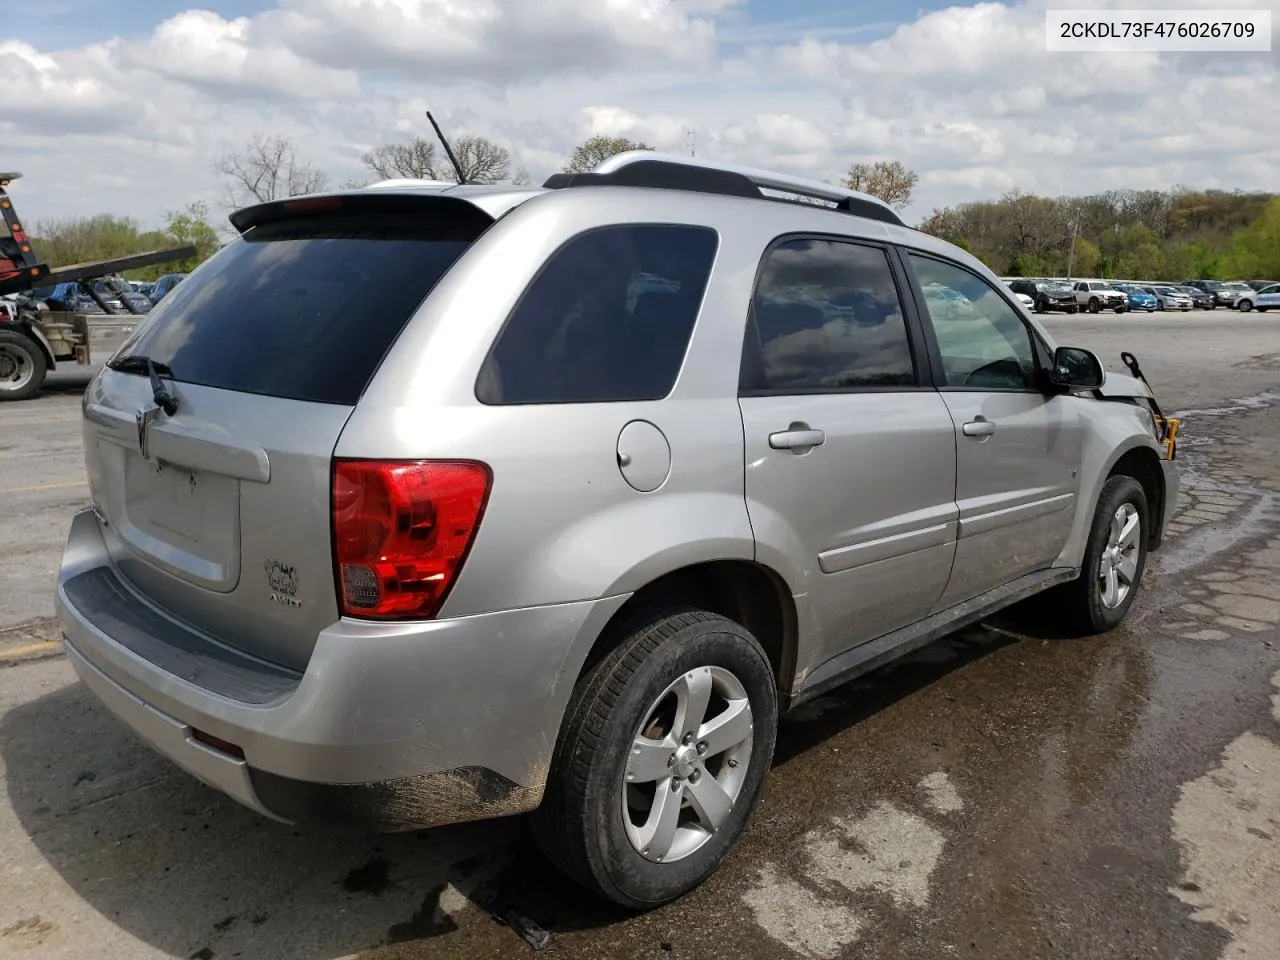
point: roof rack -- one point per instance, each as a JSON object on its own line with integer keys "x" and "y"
{"x": 645, "y": 168}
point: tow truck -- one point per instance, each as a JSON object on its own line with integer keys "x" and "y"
{"x": 33, "y": 338}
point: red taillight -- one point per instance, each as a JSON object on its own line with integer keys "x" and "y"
{"x": 401, "y": 531}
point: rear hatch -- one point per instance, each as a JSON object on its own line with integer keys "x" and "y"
{"x": 220, "y": 513}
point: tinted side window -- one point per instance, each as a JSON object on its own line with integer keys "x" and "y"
{"x": 826, "y": 316}
{"x": 982, "y": 341}
{"x": 608, "y": 318}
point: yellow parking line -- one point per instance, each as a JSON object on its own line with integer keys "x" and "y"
{"x": 45, "y": 486}
{"x": 44, "y": 646}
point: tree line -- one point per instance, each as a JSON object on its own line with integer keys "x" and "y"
{"x": 1148, "y": 234}
{"x": 1172, "y": 235}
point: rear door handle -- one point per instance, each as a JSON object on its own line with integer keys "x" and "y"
{"x": 979, "y": 426}
{"x": 799, "y": 438}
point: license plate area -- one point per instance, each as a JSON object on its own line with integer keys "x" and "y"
{"x": 184, "y": 521}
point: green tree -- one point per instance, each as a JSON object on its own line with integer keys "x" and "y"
{"x": 1087, "y": 260}
{"x": 1193, "y": 261}
{"x": 83, "y": 239}
{"x": 189, "y": 225}
{"x": 594, "y": 151}
{"x": 1254, "y": 253}
{"x": 1140, "y": 256}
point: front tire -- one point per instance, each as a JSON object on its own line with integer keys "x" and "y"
{"x": 1115, "y": 557}
{"x": 1094, "y": 305}
{"x": 1244, "y": 306}
{"x": 662, "y": 757}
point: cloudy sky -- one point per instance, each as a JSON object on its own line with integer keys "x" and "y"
{"x": 121, "y": 105}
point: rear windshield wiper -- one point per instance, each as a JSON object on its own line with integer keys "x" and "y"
{"x": 137, "y": 363}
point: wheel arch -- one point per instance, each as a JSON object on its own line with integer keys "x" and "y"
{"x": 1142, "y": 464}
{"x": 744, "y": 591}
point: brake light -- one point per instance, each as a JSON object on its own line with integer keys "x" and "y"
{"x": 313, "y": 205}
{"x": 401, "y": 531}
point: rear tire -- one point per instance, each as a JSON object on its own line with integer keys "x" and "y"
{"x": 22, "y": 366}
{"x": 601, "y": 778}
{"x": 1115, "y": 557}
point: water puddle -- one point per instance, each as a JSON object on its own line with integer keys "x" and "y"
{"x": 1259, "y": 401}
{"x": 1193, "y": 549}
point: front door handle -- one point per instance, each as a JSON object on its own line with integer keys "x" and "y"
{"x": 799, "y": 437}
{"x": 979, "y": 426}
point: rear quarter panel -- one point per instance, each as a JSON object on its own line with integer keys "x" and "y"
{"x": 561, "y": 523}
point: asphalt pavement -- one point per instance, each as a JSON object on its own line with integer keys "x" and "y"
{"x": 1009, "y": 792}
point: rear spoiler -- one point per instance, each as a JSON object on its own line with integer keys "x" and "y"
{"x": 362, "y": 203}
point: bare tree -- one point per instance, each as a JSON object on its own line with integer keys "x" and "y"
{"x": 521, "y": 178}
{"x": 418, "y": 159}
{"x": 267, "y": 168}
{"x": 593, "y": 151}
{"x": 481, "y": 160}
{"x": 887, "y": 179}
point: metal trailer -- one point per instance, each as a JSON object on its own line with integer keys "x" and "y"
{"x": 34, "y": 339}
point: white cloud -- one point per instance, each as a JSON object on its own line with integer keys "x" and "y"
{"x": 967, "y": 96}
{"x": 493, "y": 40}
{"x": 200, "y": 48}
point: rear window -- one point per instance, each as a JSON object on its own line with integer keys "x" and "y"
{"x": 302, "y": 308}
{"x": 608, "y": 318}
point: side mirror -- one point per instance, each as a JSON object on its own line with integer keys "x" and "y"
{"x": 1075, "y": 367}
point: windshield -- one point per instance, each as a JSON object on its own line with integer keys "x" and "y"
{"x": 1053, "y": 287}
{"x": 1214, "y": 285}
{"x": 302, "y": 309}
{"x": 1239, "y": 285}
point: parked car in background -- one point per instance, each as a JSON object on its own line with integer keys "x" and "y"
{"x": 340, "y": 563}
{"x": 1047, "y": 295}
{"x": 1200, "y": 299}
{"x": 1223, "y": 295}
{"x": 137, "y": 301}
{"x": 165, "y": 285}
{"x": 1259, "y": 284}
{"x": 69, "y": 298}
{"x": 1139, "y": 299}
{"x": 1267, "y": 298}
{"x": 1097, "y": 295}
{"x": 1025, "y": 300}
{"x": 1170, "y": 298}
{"x": 1243, "y": 294}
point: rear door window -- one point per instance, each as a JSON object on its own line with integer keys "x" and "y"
{"x": 608, "y": 318}
{"x": 304, "y": 308}
{"x": 826, "y": 317}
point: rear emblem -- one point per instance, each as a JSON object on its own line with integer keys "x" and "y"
{"x": 283, "y": 581}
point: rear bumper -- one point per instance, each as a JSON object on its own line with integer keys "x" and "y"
{"x": 391, "y": 726}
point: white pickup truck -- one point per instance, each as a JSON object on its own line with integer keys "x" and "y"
{"x": 1096, "y": 295}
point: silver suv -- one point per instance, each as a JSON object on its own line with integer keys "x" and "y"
{"x": 419, "y": 504}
